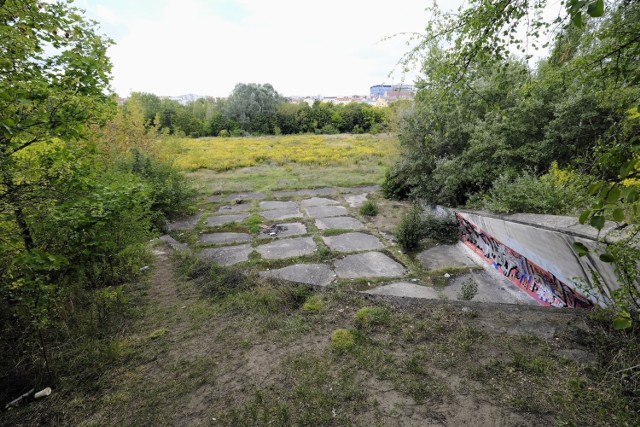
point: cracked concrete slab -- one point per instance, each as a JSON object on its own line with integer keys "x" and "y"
{"x": 318, "y": 201}
{"x": 287, "y": 248}
{"x": 356, "y": 200}
{"x": 309, "y": 192}
{"x": 489, "y": 289}
{"x": 279, "y": 214}
{"x": 245, "y": 196}
{"x": 339, "y": 222}
{"x": 352, "y": 242}
{"x": 224, "y": 238}
{"x": 326, "y": 211}
{"x": 216, "y": 221}
{"x": 310, "y": 274}
{"x": 368, "y": 265}
{"x": 232, "y": 209}
{"x": 363, "y": 189}
{"x": 275, "y": 205}
{"x": 228, "y": 255}
{"x": 283, "y": 230}
{"x": 185, "y": 223}
{"x": 215, "y": 198}
{"x": 405, "y": 290}
{"x": 444, "y": 256}
{"x": 173, "y": 243}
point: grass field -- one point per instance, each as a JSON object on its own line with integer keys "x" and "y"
{"x": 282, "y": 162}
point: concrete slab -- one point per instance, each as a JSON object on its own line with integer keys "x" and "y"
{"x": 287, "y": 248}
{"x": 185, "y": 223}
{"x": 283, "y": 230}
{"x": 405, "y": 290}
{"x": 311, "y": 274}
{"x": 362, "y": 189}
{"x": 232, "y": 209}
{"x": 369, "y": 264}
{"x": 490, "y": 289}
{"x": 318, "y": 201}
{"x": 445, "y": 256}
{"x": 273, "y": 205}
{"x": 356, "y": 200}
{"x": 224, "y": 238}
{"x": 340, "y": 222}
{"x": 228, "y": 255}
{"x": 215, "y": 198}
{"x": 279, "y": 214}
{"x": 216, "y": 221}
{"x": 309, "y": 192}
{"x": 326, "y": 211}
{"x": 352, "y": 242}
{"x": 245, "y": 196}
{"x": 173, "y": 243}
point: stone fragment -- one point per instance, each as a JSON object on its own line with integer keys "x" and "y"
{"x": 357, "y": 200}
{"x": 245, "y": 196}
{"x": 311, "y": 274}
{"x": 232, "y": 209}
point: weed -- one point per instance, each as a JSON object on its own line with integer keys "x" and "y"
{"x": 369, "y": 208}
{"x": 409, "y": 232}
{"x": 343, "y": 340}
{"x": 253, "y": 222}
{"x": 468, "y": 290}
{"x": 335, "y": 231}
{"x": 313, "y": 303}
{"x": 367, "y": 317}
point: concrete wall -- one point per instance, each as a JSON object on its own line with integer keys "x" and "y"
{"x": 540, "y": 259}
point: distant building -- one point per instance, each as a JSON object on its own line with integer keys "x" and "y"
{"x": 380, "y": 102}
{"x": 403, "y": 88}
{"x": 397, "y": 95}
{"x": 378, "y": 91}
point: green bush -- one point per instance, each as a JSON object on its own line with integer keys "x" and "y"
{"x": 397, "y": 184}
{"x": 367, "y": 317}
{"x": 468, "y": 290}
{"x": 313, "y": 303}
{"x": 342, "y": 340}
{"x": 443, "y": 228}
{"x": 410, "y": 230}
{"x": 369, "y": 208}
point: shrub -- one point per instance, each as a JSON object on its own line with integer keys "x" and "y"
{"x": 224, "y": 133}
{"x": 442, "y": 228}
{"x": 367, "y": 317}
{"x": 468, "y": 290}
{"x": 342, "y": 340}
{"x": 409, "y": 232}
{"x": 396, "y": 185}
{"x": 369, "y": 208}
{"x": 313, "y": 303}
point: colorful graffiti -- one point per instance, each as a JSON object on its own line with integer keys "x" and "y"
{"x": 538, "y": 283}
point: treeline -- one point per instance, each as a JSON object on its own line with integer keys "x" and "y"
{"x": 256, "y": 109}
{"x": 81, "y": 194}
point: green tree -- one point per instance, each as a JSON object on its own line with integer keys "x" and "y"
{"x": 253, "y": 106}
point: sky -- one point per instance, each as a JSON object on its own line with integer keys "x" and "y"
{"x": 206, "y": 47}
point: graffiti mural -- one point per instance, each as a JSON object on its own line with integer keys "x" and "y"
{"x": 538, "y": 283}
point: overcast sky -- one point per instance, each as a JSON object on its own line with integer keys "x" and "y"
{"x": 328, "y": 47}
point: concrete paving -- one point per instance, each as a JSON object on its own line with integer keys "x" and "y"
{"x": 363, "y": 189}
{"x": 273, "y": 205}
{"x": 405, "y": 290}
{"x": 224, "y": 238}
{"x": 326, "y": 211}
{"x": 216, "y": 221}
{"x": 215, "y": 198}
{"x": 287, "y": 248}
{"x": 232, "y": 209}
{"x": 356, "y": 200}
{"x": 283, "y": 230}
{"x": 186, "y": 223}
{"x": 318, "y": 201}
{"x": 339, "y": 222}
{"x": 368, "y": 265}
{"x": 310, "y": 192}
{"x": 489, "y": 289}
{"x": 173, "y": 243}
{"x": 245, "y": 196}
{"x": 279, "y": 214}
{"x": 228, "y": 255}
{"x": 352, "y": 242}
{"x": 444, "y": 256}
{"x": 311, "y": 274}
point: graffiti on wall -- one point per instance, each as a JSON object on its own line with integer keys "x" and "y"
{"x": 538, "y": 283}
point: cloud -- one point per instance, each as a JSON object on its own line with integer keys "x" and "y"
{"x": 331, "y": 47}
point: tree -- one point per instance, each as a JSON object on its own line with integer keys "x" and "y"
{"x": 253, "y": 106}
